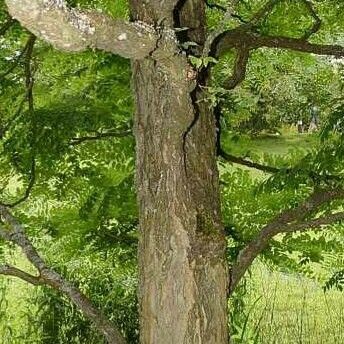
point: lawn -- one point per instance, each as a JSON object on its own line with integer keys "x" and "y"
{"x": 269, "y": 144}
{"x": 287, "y": 309}
{"x": 282, "y": 308}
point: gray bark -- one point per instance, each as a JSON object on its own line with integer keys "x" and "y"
{"x": 183, "y": 270}
{"x": 75, "y": 30}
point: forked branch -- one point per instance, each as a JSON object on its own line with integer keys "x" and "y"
{"x": 291, "y": 220}
{"x": 11, "y": 230}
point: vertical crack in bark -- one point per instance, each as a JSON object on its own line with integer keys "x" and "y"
{"x": 181, "y": 35}
{"x": 201, "y": 78}
{"x": 193, "y": 97}
{"x": 201, "y": 81}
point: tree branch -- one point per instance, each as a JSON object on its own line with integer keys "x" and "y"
{"x": 99, "y": 136}
{"x": 14, "y": 232}
{"x": 28, "y": 189}
{"x": 13, "y": 119}
{"x": 29, "y": 83}
{"x": 239, "y": 69}
{"x": 297, "y": 44}
{"x": 29, "y": 78}
{"x": 71, "y": 29}
{"x": 244, "y": 162}
{"x": 315, "y": 223}
{"x": 238, "y": 37}
{"x": 317, "y": 21}
{"x": 15, "y": 272}
{"x": 271, "y": 169}
{"x": 290, "y": 220}
{"x": 263, "y": 12}
{"x": 216, "y": 6}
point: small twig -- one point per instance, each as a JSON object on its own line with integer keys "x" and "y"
{"x": 28, "y": 189}
{"x": 317, "y": 21}
{"x": 99, "y": 136}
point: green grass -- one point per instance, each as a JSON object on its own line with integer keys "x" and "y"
{"x": 268, "y": 144}
{"x": 286, "y": 309}
{"x": 16, "y": 310}
{"x": 283, "y": 308}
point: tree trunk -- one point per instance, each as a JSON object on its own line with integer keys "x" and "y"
{"x": 182, "y": 265}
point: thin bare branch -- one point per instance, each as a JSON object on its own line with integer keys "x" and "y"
{"x": 239, "y": 69}
{"x": 290, "y": 220}
{"x": 14, "y": 118}
{"x": 245, "y": 162}
{"x": 28, "y": 189}
{"x": 263, "y": 12}
{"x": 15, "y": 272}
{"x": 14, "y": 232}
{"x": 29, "y": 78}
{"x": 71, "y": 29}
{"x": 99, "y": 136}
{"x": 316, "y": 23}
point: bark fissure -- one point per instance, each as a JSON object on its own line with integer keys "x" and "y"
{"x": 194, "y": 101}
{"x": 183, "y": 270}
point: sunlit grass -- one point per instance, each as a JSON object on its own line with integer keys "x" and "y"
{"x": 290, "y": 309}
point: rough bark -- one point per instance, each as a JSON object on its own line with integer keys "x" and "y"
{"x": 183, "y": 271}
{"x": 75, "y": 30}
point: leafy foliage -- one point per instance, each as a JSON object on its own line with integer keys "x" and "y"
{"x": 82, "y": 211}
